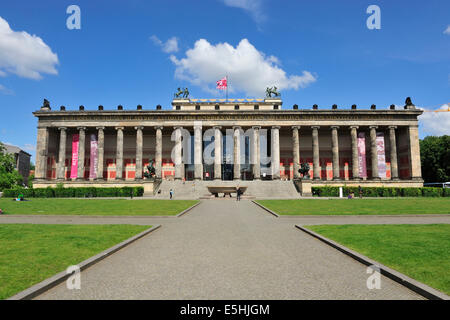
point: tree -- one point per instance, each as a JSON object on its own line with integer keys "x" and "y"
{"x": 435, "y": 158}
{"x": 9, "y": 176}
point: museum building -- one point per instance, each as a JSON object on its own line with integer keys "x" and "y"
{"x": 342, "y": 146}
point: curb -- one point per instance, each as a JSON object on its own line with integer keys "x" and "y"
{"x": 364, "y": 215}
{"x": 268, "y": 210}
{"x": 53, "y": 281}
{"x": 187, "y": 210}
{"x": 414, "y": 285}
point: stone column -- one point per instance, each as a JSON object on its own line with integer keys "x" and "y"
{"x": 335, "y": 151}
{"x": 237, "y": 153}
{"x": 355, "y": 158}
{"x": 373, "y": 152}
{"x": 296, "y": 150}
{"x": 119, "y": 153}
{"x": 275, "y": 153}
{"x": 315, "y": 146}
{"x": 41, "y": 153}
{"x": 101, "y": 152}
{"x": 158, "y": 152}
{"x": 60, "y": 172}
{"x": 139, "y": 147}
{"x": 178, "y": 150}
{"x": 414, "y": 152}
{"x": 256, "y": 154}
{"x": 217, "y": 153}
{"x": 81, "y": 152}
{"x": 198, "y": 152}
{"x": 393, "y": 153}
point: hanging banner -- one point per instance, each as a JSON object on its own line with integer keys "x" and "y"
{"x": 74, "y": 167}
{"x": 362, "y": 155}
{"x": 94, "y": 157}
{"x": 381, "y": 155}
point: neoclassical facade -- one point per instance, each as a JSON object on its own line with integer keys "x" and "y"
{"x": 240, "y": 139}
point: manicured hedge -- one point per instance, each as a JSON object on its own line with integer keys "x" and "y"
{"x": 329, "y": 191}
{"x": 82, "y": 192}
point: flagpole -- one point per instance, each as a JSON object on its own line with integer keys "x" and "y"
{"x": 226, "y": 77}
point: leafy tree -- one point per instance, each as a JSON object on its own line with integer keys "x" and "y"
{"x": 435, "y": 158}
{"x": 9, "y": 176}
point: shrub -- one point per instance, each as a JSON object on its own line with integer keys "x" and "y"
{"x": 329, "y": 191}
{"x": 71, "y": 192}
{"x": 411, "y": 192}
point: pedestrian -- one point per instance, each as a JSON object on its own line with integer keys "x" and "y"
{"x": 238, "y": 193}
{"x": 360, "y": 192}
{"x": 171, "y": 193}
{"x": 1, "y": 211}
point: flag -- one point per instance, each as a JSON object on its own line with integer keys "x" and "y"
{"x": 222, "y": 84}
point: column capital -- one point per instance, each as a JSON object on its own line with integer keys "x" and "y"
{"x": 177, "y": 127}
{"x": 334, "y": 127}
{"x": 100, "y": 128}
{"x": 159, "y": 127}
{"x": 315, "y": 127}
{"x": 139, "y": 128}
{"x": 373, "y": 127}
{"x": 62, "y": 128}
{"x": 236, "y": 127}
{"x": 256, "y": 127}
{"x": 392, "y": 127}
{"x": 217, "y": 127}
{"x": 81, "y": 128}
{"x": 296, "y": 127}
{"x": 276, "y": 127}
{"x": 354, "y": 127}
{"x": 119, "y": 128}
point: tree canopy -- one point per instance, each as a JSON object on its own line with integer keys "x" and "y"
{"x": 435, "y": 158}
{"x": 9, "y": 176}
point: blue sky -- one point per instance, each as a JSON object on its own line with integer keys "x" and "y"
{"x": 317, "y": 52}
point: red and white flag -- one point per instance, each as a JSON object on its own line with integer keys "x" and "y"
{"x": 222, "y": 84}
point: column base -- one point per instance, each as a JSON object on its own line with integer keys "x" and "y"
{"x": 376, "y": 178}
{"x": 80, "y": 179}
{"x": 337, "y": 179}
{"x": 99, "y": 179}
{"x": 417, "y": 178}
{"x": 316, "y": 178}
{"x": 356, "y": 178}
{"x": 138, "y": 179}
{"x": 395, "y": 179}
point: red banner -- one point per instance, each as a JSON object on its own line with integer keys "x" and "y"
{"x": 362, "y": 155}
{"x": 74, "y": 168}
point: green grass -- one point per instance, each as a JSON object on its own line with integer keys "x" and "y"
{"x": 422, "y": 252}
{"x": 31, "y": 253}
{"x": 359, "y": 206}
{"x": 106, "y": 207}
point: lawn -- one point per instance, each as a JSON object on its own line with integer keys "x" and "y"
{"x": 359, "y": 206}
{"x": 106, "y": 207}
{"x": 31, "y": 253}
{"x": 422, "y": 252}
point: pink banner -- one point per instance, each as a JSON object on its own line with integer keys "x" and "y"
{"x": 74, "y": 168}
{"x": 381, "y": 155}
{"x": 94, "y": 157}
{"x": 362, "y": 155}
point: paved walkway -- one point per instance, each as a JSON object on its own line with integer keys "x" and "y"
{"x": 227, "y": 250}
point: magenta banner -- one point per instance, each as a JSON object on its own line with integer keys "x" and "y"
{"x": 74, "y": 167}
{"x": 381, "y": 155}
{"x": 94, "y": 157}
{"x": 362, "y": 155}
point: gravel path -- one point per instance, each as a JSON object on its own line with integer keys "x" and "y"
{"x": 225, "y": 250}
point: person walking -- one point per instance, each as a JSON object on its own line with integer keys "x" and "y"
{"x": 360, "y": 192}
{"x": 238, "y": 194}
{"x": 171, "y": 193}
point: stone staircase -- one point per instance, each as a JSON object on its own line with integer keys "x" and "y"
{"x": 198, "y": 189}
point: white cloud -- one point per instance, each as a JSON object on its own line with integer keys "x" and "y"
{"x": 435, "y": 123}
{"x": 248, "y": 69}
{"x": 29, "y": 147}
{"x": 253, "y": 7}
{"x": 447, "y": 31}
{"x": 23, "y": 54}
{"x": 169, "y": 46}
{"x": 5, "y": 90}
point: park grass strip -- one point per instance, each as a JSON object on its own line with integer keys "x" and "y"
{"x": 91, "y": 207}
{"x": 421, "y": 252}
{"x": 401, "y": 206}
{"x": 31, "y": 252}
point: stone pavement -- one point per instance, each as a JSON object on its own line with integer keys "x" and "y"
{"x": 226, "y": 250}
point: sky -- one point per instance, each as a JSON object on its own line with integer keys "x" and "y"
{"x": 139, "y": 52}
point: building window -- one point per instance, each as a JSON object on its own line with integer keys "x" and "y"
{"x": 178, "y": 107}
{"x": 236, "y": 107}
{"x": 197, "y": 107}
{"x": 275, "y": 107}
{"x": 217, "y": 107}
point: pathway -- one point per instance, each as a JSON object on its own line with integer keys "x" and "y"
{"x": 226, "y": 250}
